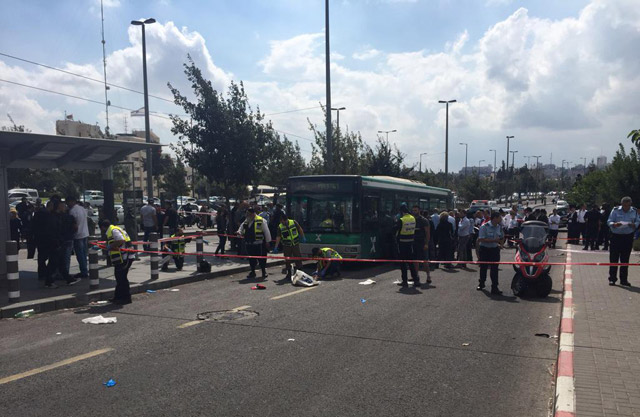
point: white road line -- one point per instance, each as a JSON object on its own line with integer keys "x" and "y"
{"x": 292, "y": 293}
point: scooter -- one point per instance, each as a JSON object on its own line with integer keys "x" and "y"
{"x": 532, "y": 247}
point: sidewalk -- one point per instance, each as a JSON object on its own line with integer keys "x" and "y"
{"x": 33, "y": 295}
{"x": 607, "y": 338}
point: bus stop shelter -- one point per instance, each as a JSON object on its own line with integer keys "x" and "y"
{"x": 29, "y": 150}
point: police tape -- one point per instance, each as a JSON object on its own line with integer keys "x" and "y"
{"x": 354, "y": 260}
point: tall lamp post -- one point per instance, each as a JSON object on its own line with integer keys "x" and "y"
{"x": 446, "y": 142}
{"x": 387, "y": 132}
{"x": 424, "y": 153}
{"x": 147, "y": 131}
{"x": 495, "y": 153}
{"x": 328, "y": 82}
{"x": 513, "y": 158}
{"x": 537, "y": 169}
{"x": 508, "y": 139}
{"x": 337, "y": 110}
{"x": 584, "y": 166}
{"x": 480, "y": 164}
{"x": 466, "y": 149}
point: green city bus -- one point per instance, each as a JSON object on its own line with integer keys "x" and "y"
{"x": 355, "y": 214}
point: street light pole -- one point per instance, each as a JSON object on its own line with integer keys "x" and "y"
{"x": 387, "y": 132}
{"x": 508, "y": 138}
{"x": 424, "y": 153}
{"x": 584, "y": 166}
{"x": 446, "y": 142}
{"x": 466, "y": 148}
{"x": 147, "y": 129}
{"x": 328, "y": 78}
{"x": 495, "y": 153}
{"x": 338, "y": 116}
{"x": 513, "y": 158}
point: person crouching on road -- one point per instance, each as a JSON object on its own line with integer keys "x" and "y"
{"x": 290, "y": 234}
{"x": 490, "y": 238}
{"x": 256, "y": 236}
{"x": 328, "y": 262}
{"x": 118, "y": 239}
{"x": 405, "y": 231}
{"x": 176, "y": 246}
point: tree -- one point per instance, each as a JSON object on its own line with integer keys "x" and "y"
{"x": 349, "y": 152}
{"x": 174, "y": 180}
{"x": 224, "y": 140}
{"x": 284, "y": 160}
{"x": 634, "y": 135}
{"x": 386, "y": 160}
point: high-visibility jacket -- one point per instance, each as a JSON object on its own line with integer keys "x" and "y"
{"x": 407, "y": 231}
{"x": 289, "y": 233}
{"x": 328, "y": 254}
{"x": 178, "y": 245}
{"x": 117, "y": 256}
{"x": 254, "y": 234}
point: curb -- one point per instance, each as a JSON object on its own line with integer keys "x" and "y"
{"x": 48, "y": 304}
{"x": 565, "y": 398}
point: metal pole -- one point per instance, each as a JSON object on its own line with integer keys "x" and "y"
{"x": 328, "y": 82}
{"x": 466, "y": 152}
{"x": 199, "y": 251}
{"x": 446, "y": 149}
{"x": 147, "y": 131}
{"x": 155, "y": 258}
{"x": 94, "y": 272}
{"x": 13, "y": 276}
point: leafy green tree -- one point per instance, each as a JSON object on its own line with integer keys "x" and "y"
{"x": 224, "y": 140}
{"x": 386, "y": 160}
{"x": 174, "y": 180}
{"x": 284, "y": 160}
{"x": 634, "y": 135}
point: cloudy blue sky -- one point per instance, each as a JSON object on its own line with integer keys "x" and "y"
{"x": 563, "y": 77}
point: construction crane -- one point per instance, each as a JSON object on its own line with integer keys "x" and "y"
{"x": 15, "y": 126}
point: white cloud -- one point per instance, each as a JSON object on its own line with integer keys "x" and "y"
{"x": 366, "y": 54}
{"x": 490, "y": 3}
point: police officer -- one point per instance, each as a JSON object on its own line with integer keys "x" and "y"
{"x": 421, "y": 241}
{"x": 176, "y": 245}
{"x": 118, "y": 239}
{"x": 623, "y": 222}
{"x": 290, "y": 234}
{"x": 405, "y": 231}
{"x": 256, "y": 236}
{"x": 490, "y": 238}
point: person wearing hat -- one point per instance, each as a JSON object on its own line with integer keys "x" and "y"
{"x": 405, "y": 231}
{"x": 256, "y": 234}
{"x": 623, "y": 222}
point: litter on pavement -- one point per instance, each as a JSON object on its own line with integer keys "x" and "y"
{"x": 466, "y": 344}
{"x": 362, "y": 300}
{"x": 367, "y": 282}
{"x": 291, "y": 340}
{"x": 543, "y": 335}
{"x": 259, "y": 287}
{"x": 109, "y": 383}
{"x": 151, "y": 291}
{"x": 59, "y": 333}
{"x": 303, "y": 279}
{"x": 100, "y": 320}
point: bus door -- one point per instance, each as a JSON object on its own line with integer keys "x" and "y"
{"x": 372, "y": 236}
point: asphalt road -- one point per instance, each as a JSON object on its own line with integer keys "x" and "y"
{"x": 446, "y": 350}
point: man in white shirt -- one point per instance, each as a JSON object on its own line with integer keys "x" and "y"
{"x": 582, "y": 223}
{"x": 464, "y": 236}
{"x": 149, "y": 220}
{"x": 81, "y": 236}
{"x": 554, "y": 225}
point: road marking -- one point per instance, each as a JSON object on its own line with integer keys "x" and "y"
{"x": 292, "y": 293}
{"x": 54, "y": 365}
{"x": 193, "y": 323}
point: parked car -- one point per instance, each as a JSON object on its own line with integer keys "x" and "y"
{"x": 18, "y": 196}
{"x": 471, "y": 211}
{"x": 94, "y": 197}
{"x": 32, "y": 193}
{"x": 562, "y": 204}
{"x": 563, "y": 212}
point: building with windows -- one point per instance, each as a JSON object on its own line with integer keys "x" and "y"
{"x": 601, "y": 162}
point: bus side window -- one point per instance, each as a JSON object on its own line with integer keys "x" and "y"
{"x": 370, "y": 212}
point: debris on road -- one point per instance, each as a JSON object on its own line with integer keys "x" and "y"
{"x": 291, "y": 340}
{"x": 25, "y": 313}
{"x": 259, "y": 287}
{"x": 109, "y": 383}
{"x": 543, "y": 335}
{"x": 100, "y": 320}
{"x": 172, "y": 289}
{"x": 59, "y": 333}
{"x": 302, "y": 279}
{"x": 367, "y": 282}
{"x": 466, "y": 344}
{"x": 151, "y": 291}
{"x": 100, "y": 302}
{"x": 362, "y": 300}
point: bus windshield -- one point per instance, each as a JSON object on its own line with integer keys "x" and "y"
{"x": 324, "y": 212}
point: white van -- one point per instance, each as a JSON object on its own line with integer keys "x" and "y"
{"x": 32, "y": 193}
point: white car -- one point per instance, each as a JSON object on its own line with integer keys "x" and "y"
{"x": 562, "y": 204}
{"x": 94, "y": 197}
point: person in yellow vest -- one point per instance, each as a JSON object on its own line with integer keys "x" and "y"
{"x": 405, "y": 231}
{"x": 118, "y": 239}
{"x": 256, "y": 235}
{"x": 175, "y": 246}
{"x": 290, "y": 234}
{"x": 328, "y": 262}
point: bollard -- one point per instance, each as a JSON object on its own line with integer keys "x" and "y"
{"x": 199, "y": 250}
{"x": 94, "y": 273}
{"x": 155, "y": 258}
{"x": 13, "y": 276}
